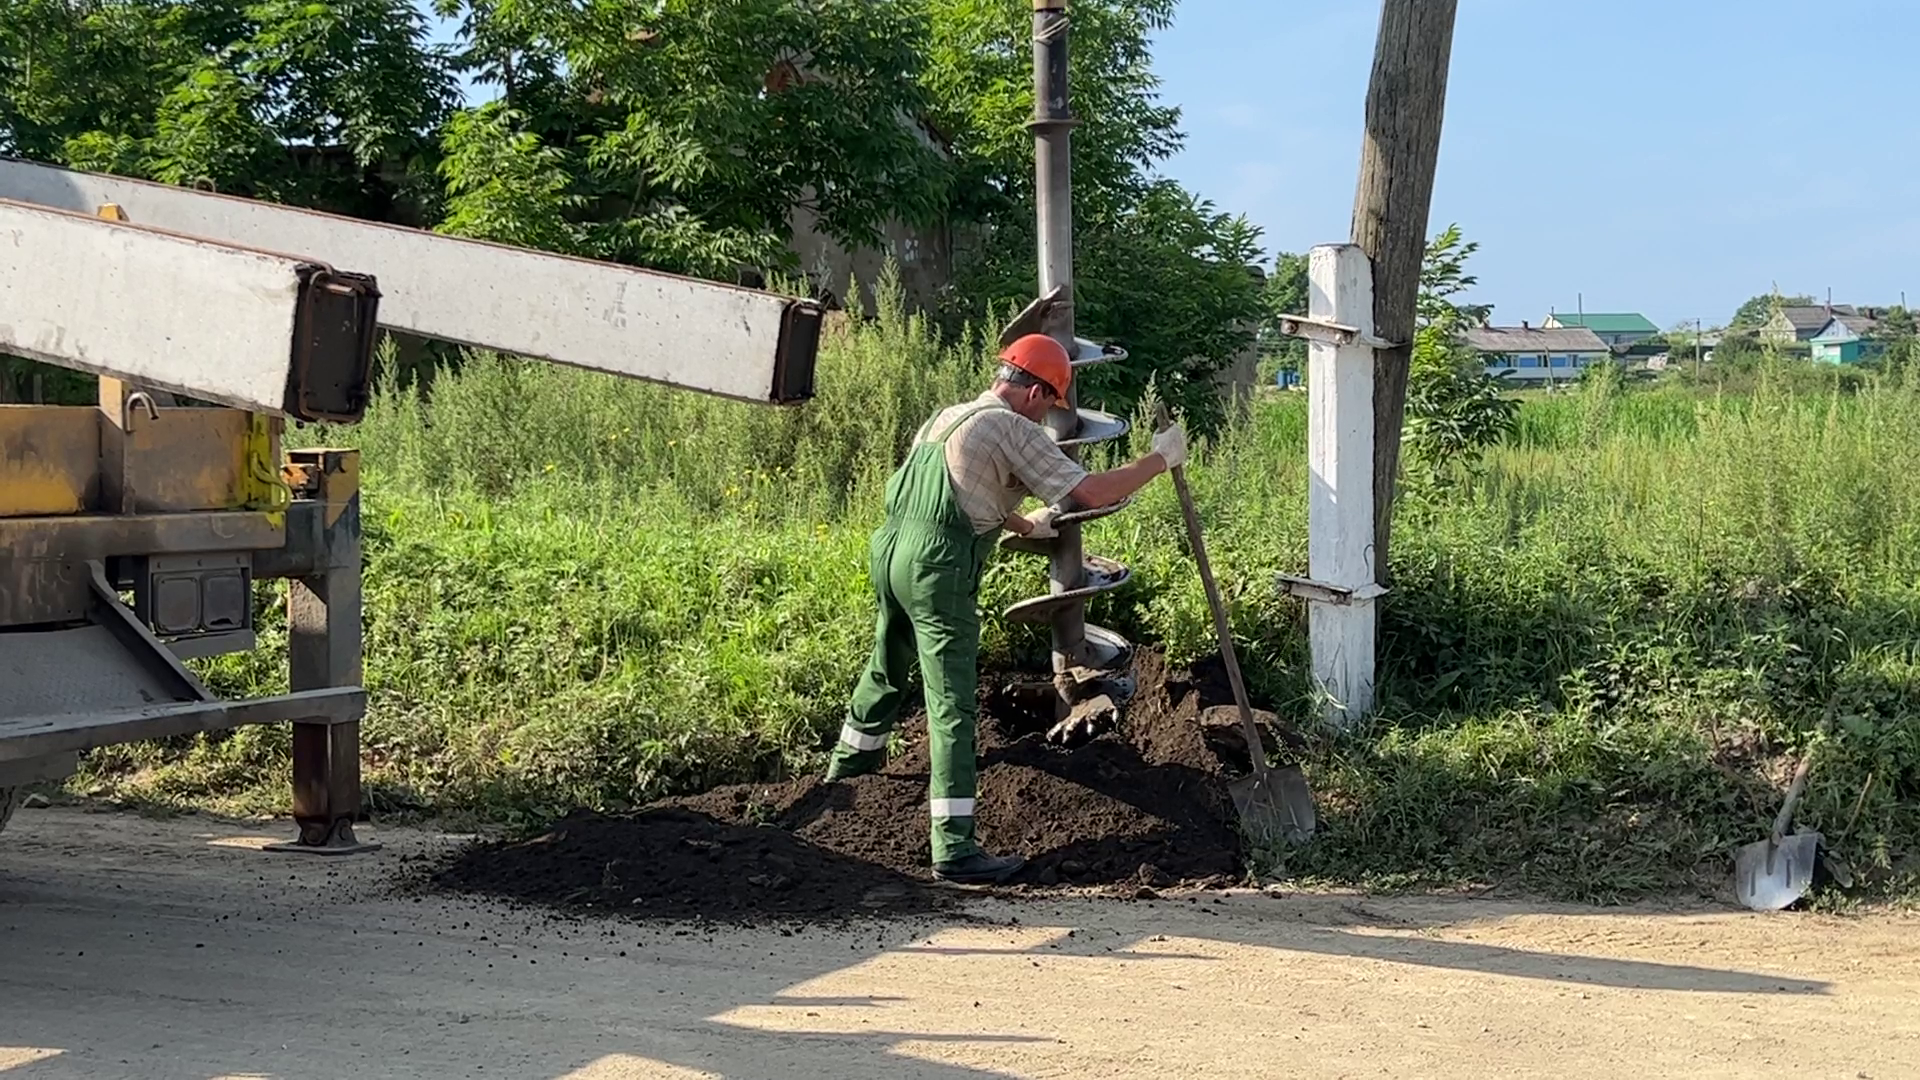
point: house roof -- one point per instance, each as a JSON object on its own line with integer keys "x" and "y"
{"x": 1848, "y": 327}
{"x": 1533, "y": 339}
{"x": 1625, "y": 322}
{"x": 1813, "y": 316}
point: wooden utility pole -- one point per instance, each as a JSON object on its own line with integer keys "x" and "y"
{"x": 1406, "y": 101}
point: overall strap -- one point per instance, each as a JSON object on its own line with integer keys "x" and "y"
{"x": 964, "y": 417}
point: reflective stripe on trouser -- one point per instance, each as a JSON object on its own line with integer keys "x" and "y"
{"x": 853, "y": 738}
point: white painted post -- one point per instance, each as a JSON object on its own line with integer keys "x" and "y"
{"x": 1340, "y": 498}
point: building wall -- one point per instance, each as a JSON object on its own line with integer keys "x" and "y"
{"x": 1844, "y": 351}
{"x": 1542, "y": 367}
{"x": 1238, "y": 379}
{"x": 1780, "y": 331}
{"x": 925, "y": 258}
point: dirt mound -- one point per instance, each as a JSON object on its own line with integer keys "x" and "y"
{"x": 674, "y": 863}
{"x": 1141, "y": 807}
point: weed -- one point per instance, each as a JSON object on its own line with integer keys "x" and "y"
{"x": 1604, "y": 647}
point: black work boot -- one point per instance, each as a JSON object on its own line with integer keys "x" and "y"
{"x": 979, "y": 868}
{"x": 853, "y": 765}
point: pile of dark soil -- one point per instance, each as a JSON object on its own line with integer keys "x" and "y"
{"x": 673, "y": 863}
{"x": 1139, "y": 808}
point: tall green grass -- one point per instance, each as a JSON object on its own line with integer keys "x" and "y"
{"x": 1602, "y": 648}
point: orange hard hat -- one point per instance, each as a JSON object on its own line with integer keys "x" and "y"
{"x": 1043, "y": 358}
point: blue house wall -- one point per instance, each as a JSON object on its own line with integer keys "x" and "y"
{"x": 1840, "y": 344}
{"x": 1541, "y": 365}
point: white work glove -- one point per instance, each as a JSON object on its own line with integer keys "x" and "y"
{"x": 1171, "y": 445}
{"x": 1040, "y": 524}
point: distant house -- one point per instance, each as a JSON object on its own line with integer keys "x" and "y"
{"x": 1846, "y": 339}
{"x": 1616, "y": 329}
{"x": 1801, "y": 322}
{"x": 1537, "y": 354}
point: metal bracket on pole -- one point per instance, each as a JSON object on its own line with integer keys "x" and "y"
{"x": 1319, "y": 592}
{"x": 1328, "y": 332}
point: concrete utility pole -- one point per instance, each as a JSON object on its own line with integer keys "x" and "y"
{"x": 1406, "y": 101}
{"x": 1341, "y": 588}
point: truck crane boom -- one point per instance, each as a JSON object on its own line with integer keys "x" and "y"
{"x": 640, "y": 324}
{"x": 271, "y": 312}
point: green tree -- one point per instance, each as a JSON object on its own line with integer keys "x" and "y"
{"x": 66, "y": 69}
{"x": 1157, "y": 270}
{"x": 1455, "y": 410}
{"x": 295, "y": 100}
{"x": 1755, "y": 312}
{"x": 1285, "y": 293}
{"x": 683, "y": 134}
{"x": 1895, "y": 339}
{"x": 1172, "y": 280}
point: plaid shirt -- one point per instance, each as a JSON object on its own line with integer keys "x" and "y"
{"x": 997, "y": 458}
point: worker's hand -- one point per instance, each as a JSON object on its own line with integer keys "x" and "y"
{"x": 1171, "y": 445}
{"x": 1040, "y": 524}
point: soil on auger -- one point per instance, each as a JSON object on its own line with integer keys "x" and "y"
{"x": 1140, "y": 808}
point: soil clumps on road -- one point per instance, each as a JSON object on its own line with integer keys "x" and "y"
{"x": 1140, "y": 808}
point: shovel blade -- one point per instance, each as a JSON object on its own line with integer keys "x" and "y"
{"x": 1278, "y": 811}
{"x": 1769, "y": 876}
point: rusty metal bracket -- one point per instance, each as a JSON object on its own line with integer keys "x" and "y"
{"x": 1319, "y": 592}
{"x": 1326, "y": 332}
{"x": 1046, "y": 315}
{"x": 323, "y": 650}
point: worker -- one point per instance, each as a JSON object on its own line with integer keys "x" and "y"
{"x": 969, "y": 470}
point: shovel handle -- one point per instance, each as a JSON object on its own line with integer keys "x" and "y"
{"x": 1256, "y": 750}
{"x": 1800, "y": 773}
{"x": 1792, "y": 801}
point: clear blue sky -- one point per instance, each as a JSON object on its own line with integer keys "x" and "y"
{"x": 1671, "y": 158}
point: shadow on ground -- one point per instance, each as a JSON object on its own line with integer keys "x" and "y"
{"x": 139, "y": 948}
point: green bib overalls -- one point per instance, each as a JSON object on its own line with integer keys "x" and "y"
{"x": 925, "y": 562}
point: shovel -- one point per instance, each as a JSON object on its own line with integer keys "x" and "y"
{"x": 1770, "y": 874}
{"x": 1275, "y": 805}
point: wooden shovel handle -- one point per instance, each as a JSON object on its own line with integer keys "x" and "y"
{"x": 1799, "y": 785}
{"x": 1256, "y": 749}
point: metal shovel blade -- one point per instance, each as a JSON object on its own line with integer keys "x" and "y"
{"x": 1274, "y": 808}
{"x": 1769, "y": 876}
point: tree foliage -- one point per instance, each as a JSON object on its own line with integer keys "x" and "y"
{"x": 1285, "y": 293}
{"x": 294, "y": 100}
{"x": 1157, "y": 270}
{"x": 684, "y": 134}
{"x": 1754, "y": 314}
{"x": 678, "y": 134}
{"x": 1895, "y": 338}
{"x": 1455, "y": 410}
